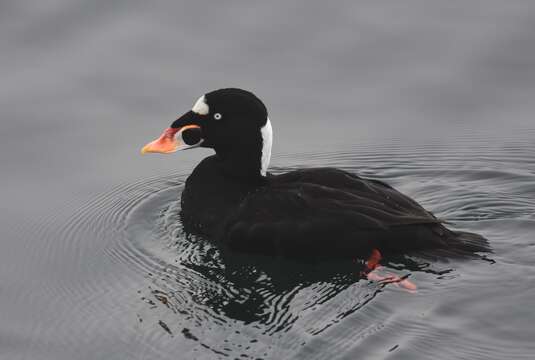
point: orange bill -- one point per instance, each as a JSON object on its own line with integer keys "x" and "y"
{"x": 168, "y": 143}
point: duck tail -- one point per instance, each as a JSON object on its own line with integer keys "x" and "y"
{"x": 469, "y": 242}
{"x": 458, "y": 245}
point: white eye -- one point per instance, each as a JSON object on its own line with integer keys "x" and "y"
{"x": 218, "y": 116}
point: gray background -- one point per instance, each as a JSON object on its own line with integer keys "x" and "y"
{"x": 84, "y": 84}
{"x": 87, "y": 82}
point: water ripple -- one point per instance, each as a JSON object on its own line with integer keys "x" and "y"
{"x": 131, "y": 262}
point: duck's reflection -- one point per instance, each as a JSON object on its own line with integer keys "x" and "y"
{"x": 274, "y": 292}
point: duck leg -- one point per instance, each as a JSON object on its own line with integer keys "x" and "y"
{"x": 371, "y": 272}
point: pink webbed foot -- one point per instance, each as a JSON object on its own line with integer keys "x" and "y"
{"x": 371, "y": 272}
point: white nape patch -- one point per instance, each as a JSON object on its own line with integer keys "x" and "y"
{"x": 267, "y": 141}
{"x": 201, "y": 107}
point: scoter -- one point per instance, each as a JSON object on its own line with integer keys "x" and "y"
{"x": 314, "y": 212}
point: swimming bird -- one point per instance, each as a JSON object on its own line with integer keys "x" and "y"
{"x": 315, "y": 212}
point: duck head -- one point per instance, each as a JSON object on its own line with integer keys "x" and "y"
{"x": 231, "y": 121}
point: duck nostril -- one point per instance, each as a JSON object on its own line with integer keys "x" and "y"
{"x": 191, "y": 136}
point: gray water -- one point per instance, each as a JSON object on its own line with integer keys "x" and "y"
{"x": 433, "y": 97}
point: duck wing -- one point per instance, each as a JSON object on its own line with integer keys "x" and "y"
{"x": 376, "y": 198}
{"x": 326, "y": 211}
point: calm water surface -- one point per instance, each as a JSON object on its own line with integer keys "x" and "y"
{"x": 436, "y": 99}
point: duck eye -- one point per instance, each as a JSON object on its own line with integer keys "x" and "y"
{"x": 218, "y": 116}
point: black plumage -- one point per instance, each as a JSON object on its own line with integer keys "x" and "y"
{"x": 320, "y": 212}
{"x": 323, "y": 212}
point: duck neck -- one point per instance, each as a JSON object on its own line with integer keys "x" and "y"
{"x": 242, "y": 164}
{"x": 248, "y": 162}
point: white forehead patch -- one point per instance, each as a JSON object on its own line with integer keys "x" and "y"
{"x": 201, "y": 107}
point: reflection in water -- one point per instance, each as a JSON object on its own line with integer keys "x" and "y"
{"x": 188, "y": 296}
{"x": 433, "y": 97}
{"x": 201, "y": 286}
